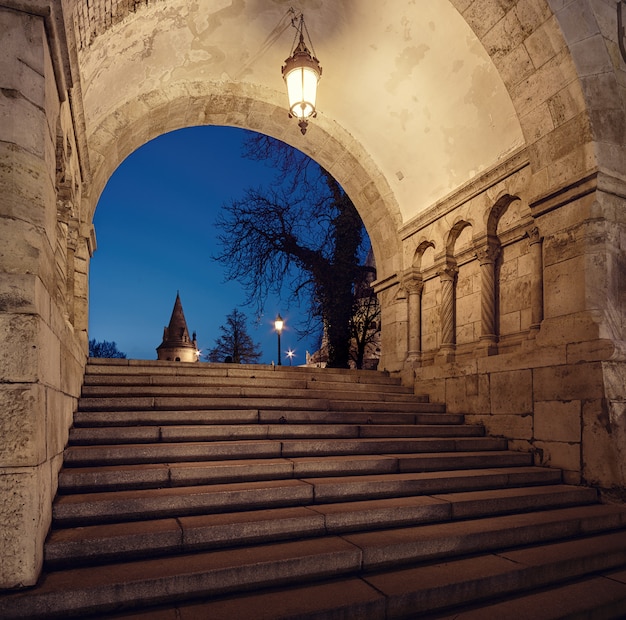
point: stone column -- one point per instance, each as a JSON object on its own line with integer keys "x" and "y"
{"x": 535, "y": 241}
{"x": 414, "y": 285}
{"x": 448, "y": 331}
{"x": 487, "y": 256}
{"x": 40, "y": 366}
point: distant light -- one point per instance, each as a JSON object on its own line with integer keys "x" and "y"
{"x": 278, "y": 323}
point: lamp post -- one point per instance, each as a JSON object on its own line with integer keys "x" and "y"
{"x": 290, "y": 354}
{"x": 302, "y": 72}
{"x": 278, "y": 326}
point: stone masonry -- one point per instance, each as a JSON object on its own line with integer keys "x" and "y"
{"x": 482, "y": 141}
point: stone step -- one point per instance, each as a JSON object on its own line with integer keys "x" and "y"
{"x": 350, "y": 406}
{"x": 81, "y": 456}
{"x": 602, "y": 596}
{"x": 599, "y": 596}
{"x": 423, "y": 584}
{"x": 207, "y": 487}
{"x": 128, "y": 540}
{"x": 295, "y": 389}
{"x": 221, "y": 432}
{"x": 251, "y": 416}
{"x": 123, "y": 368}
{"x": 105, "y": 507}
{"x": 270, "y": 380}
{"x": 126, "y": 477}
{"x": 114, "y": 403}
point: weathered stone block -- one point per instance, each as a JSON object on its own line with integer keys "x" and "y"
{"x": 22, "y": 425}
{"x": 468, "y": 309}
{"x": 25, "y": 513}
{"x": 565, "y": 456}
{"x": 558, "y": 421}
{"x": 19, "y": 359}
{"x": 615, "y": 380}
{"x": 22, "y": 176}
{"x": 564, "y": 383}
{"x": 564, "y": 287}
{"x": 26, "y": 250}
{"x": 590, "y": 351}
{"x": 23, "y": 293}
{"x": 59, "y": 412}
{"x": 514, "y": 295}
{"x": 604, "y": 443}
{"x": 511, "y": 392}
{"x": 467, "y": 394}
{"x": 483, "y": 16}
{"x": 510, "y": 323}
{"x": 22, "y": 61}
{"x": 510, "y": 426}
{"x": 560, "y": 331}
{"x": 515, "y": 67}
{"x": 543, "y": 44}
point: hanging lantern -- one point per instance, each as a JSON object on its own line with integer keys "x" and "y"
{"x": 301, "y": 73}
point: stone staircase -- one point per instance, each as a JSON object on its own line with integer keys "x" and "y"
{"x": 219, "y": 491}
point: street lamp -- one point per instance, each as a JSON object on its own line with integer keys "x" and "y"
{"x": 302, "y": 72}
{"x": 290, "y": 354}
{"x": 278, "y": 326}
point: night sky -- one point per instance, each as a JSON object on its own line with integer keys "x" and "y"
{"x": 155, "y": 230}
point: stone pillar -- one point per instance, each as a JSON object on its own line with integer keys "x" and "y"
{"x": 414, "y": 285}
{"x": 448, "y": 331}
{"x": 487, "y": 256}
{"x": 535, "y": 242}
{"x": 40, "y": 364}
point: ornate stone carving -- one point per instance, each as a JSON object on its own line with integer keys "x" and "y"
{"x": 448, "y": 278}
{"x": 535, "y": 241}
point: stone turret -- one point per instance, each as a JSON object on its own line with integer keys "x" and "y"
{"x": 176, "y": 345}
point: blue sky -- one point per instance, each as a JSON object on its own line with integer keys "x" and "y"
{"x": 155, "y": 230}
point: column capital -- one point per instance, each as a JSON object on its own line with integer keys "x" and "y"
{"x": 412, "y": 281}
{"x": 448, "y": 272}
{"x": 533, "y": 235}
{"x": 488, "y": 252}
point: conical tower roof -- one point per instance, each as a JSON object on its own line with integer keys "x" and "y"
{"x": 176, "y": 343}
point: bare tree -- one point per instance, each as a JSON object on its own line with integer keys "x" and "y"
{"x": 105, "y": 349}
{"x": 302, "y": 234}
{"x": 365, "y": 322}
{"x": 235, "y": 344}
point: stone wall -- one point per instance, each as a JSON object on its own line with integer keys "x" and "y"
{"x": 514, "y": 311}
{"x": 42, "y": 264}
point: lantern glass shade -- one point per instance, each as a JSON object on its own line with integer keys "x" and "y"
{"x": 301, "y": 73}
{"x": 301, "y": 80}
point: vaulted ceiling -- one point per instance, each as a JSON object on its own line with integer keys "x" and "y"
{"x": 406, "y": 81}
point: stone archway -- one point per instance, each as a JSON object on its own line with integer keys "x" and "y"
{"x": 432, "y": 111}
{"x": 339, "y": 153}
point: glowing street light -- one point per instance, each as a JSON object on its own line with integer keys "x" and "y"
{"x": 290, "y": 354}
{"x": 278, "y": 326}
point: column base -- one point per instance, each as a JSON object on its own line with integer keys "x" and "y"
{"x": 446, "y": 354}
{"x": 414, "y": 358}
{"x": 487, "y": 346}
